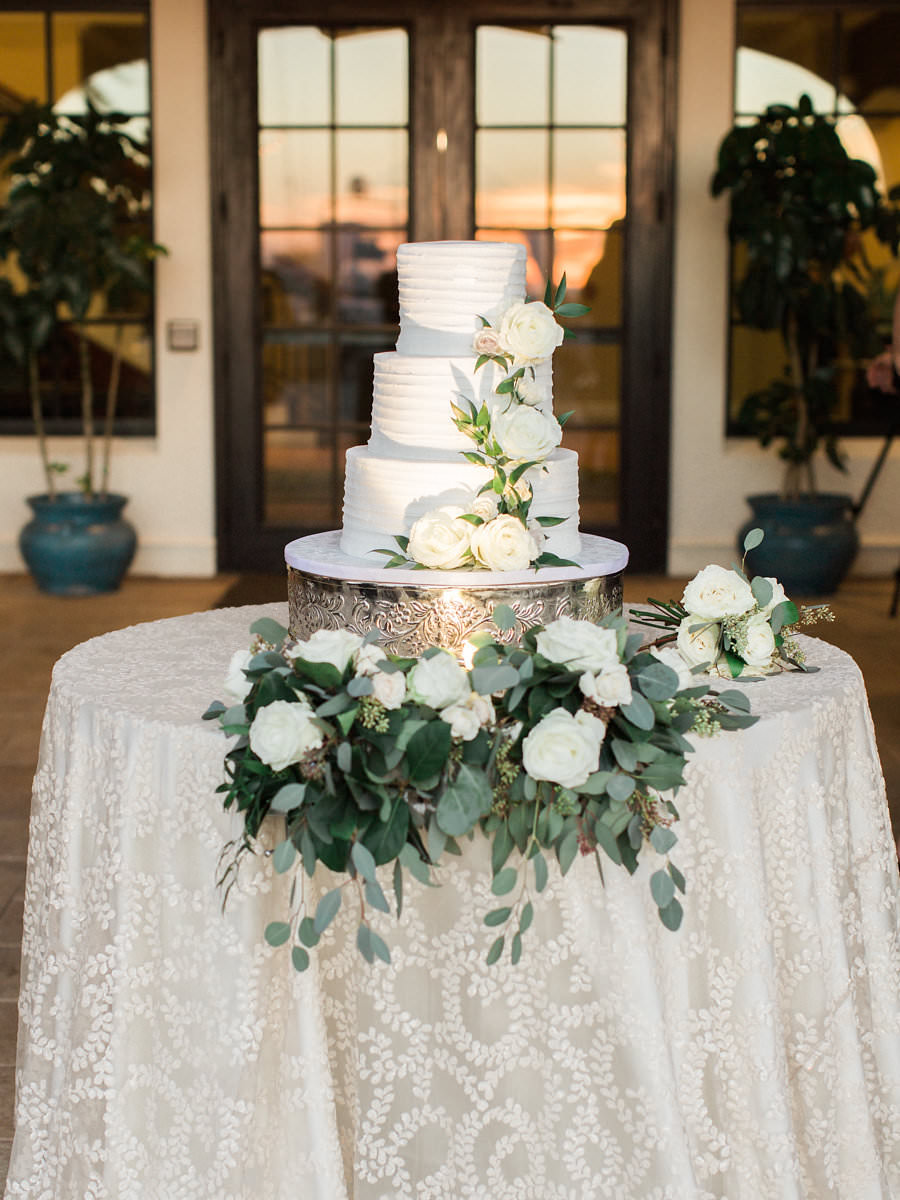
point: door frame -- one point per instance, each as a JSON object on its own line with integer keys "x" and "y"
{"x": 647, "y": 288}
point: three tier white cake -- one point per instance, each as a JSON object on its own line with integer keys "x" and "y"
{"x": 414, "y": 461}
{"x": 458, "y": 373}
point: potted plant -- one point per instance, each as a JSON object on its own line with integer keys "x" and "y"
{"x": 71, "y": 246}
{"x": 799, "y": 207}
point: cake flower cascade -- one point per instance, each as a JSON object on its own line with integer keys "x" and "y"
{"x": 513, "y": 433}
{"x": 572, "y": 741}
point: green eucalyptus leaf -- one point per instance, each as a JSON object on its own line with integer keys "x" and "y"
{"x": 671, "y": 916}
{"x": 662, "y": 839}
{"x": 753, "y": 538}
{"x": 363, "y": 860}
{"x": 567, "y": 851}
{"x": 299, "y": 958}
{"x": 526, "y": 917}
{"x": 495, "y": 951}
{"x": 283, "y": 856}
{"x": 277, "y": 933}
{"x": 364, "y": 943}
{"x": 375, "y": 896}
{"x": 327, "y": 909}
{"x": 269, "y": 630}
{"x": 504, "y": 881}
{"x": 307, "y": 932}
{"x": 540, "y": 872}
{"x": 662, "y": 888}
{"x": 762, "y": 590}
{"x": 464, "y": 801}
{"x": 515, "y": 952}
{"x": 288, "y": 797}
{"x": 497, "y": 916}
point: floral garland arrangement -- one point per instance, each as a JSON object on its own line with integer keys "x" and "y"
{"x": 571, "y": 741}
{"x": 731, "y": 625}
{"x": 513, "y": 435}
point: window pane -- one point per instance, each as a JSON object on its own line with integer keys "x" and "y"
{"x": 372, "y": 177}
{"x": 367, "y": 277}
{"x": 588, "y": 177}
{"x": 294, "y": 177}
{"x": 592, "y": 261}
{"x": 371, "y": 77}
{"x": 295, "y": 278}
{"x": 511, "y": 177}
{"x": 868, "y": 70}
{"x": 589, "y": 72}
{"x": 781, "y": 56}
{"x": 355, "y": 387}
{"x": 513, "y": 73}
{"x": 298, "y": 489}
{"x": 103, "y": 53}
{"x": 294, "y": 380}
{"x": 587, "y": 381}
{"x": 537, "y": 242}
{"x": 294, "y": 68}
{"x": 598, "y": 475}
{"x": 22, "y": 72}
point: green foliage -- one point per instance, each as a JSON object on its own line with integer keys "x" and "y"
{"x": 400, "y": 790}
{"x": 799, "y": 203}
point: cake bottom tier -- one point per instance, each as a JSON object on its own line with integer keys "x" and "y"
{"x": 384, "y": 496}
{"x": 413, "y": 610}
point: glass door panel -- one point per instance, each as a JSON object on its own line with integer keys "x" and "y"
{"x": 333, "y": 155}
{"x": 550, "y": 171}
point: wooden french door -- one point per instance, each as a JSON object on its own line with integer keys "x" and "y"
{"x": 338, "y": 133}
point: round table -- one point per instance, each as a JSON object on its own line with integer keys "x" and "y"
{"x": 167, "y": 1053}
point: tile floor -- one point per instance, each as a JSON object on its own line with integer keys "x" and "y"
{"x": 37, "y": 629}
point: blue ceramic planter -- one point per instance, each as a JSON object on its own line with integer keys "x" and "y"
{"x": 810, "y": 542}
{"x": 77, "y": 545}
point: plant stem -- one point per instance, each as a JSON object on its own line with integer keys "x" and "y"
{"x": 87, "y": 410}
{"x": 37, "y": 413}
{"x": 112, "y": 397}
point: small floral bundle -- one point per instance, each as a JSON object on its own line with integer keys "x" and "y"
{"x": 727, "y": 624}
{"x": 569, "y": 742}
{"x": 512, "y": 435}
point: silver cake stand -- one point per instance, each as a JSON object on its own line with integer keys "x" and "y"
{"x": 413, "y": 610}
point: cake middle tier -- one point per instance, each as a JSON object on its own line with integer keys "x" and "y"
{"x": 412, "y": 396}
{"x": 384, "y": 495}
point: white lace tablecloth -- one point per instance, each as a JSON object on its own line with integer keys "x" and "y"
{"x": 166, "y": 1053}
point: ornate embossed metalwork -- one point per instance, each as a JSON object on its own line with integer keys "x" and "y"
{"x": 410, "y": 618}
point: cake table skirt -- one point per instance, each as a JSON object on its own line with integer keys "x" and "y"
{"x": 414, "y": 609}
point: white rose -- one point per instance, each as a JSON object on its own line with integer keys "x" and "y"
{"x": 485, "y": 506}
{"x": 610, "y": 687}
{"x": 439, "y": 539}
{"x": 525, "y": 433}
{"x": 579, "y": 645}
{"x": 760, "y": 641}
{"x": 438, "y": 681}
{"x": 335, "y": 646}
{"x": 482, "y": 707}
{"x": 529, "y": 331}
{"x": 462, "y": 720}
{"x": 486, "y": 341}
{"x": 563, "y": 748}
{"x": 700, "y": 646}
{"x": 503, "y": 544}
{"x": 778, "y": 596}
{"x": 237, "y": 685}
{"x": 389, "y": 687}
{"x": 531, "y": 392}
{"x": 368, "y": 659}
{"x": 282, "y": 732}
{"x": 670, "y": 656}
{"x": 716, "y": 593}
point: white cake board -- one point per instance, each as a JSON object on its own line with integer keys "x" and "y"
{"x": 320, "y": 554}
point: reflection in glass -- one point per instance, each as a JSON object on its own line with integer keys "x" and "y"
{"x": 295, "y": 277}
{"x": 598, "y": 475}
{"x": 592, "y": 261}
{"x": 294, "y": 66}
{"x": 589, "y": 74}
{"x": 781, "y": 56}
{"x": 588, "y": 177}
{"x": 757, "y": 357}
{"x": 99, "y": 47}
{"x": 371, "y": 77}
{"x": 512, "y": 75}
{"x": 587, "y": 381}
{"x": 22, "y": 73}
{"x": 366, "y": 271}
{"x": 372, "y": 176}
{"x": 294, "y": 177}
{"x": 511, "y": 172}
{"x": 298, "y": 479}
{"x": 294, "y": 380}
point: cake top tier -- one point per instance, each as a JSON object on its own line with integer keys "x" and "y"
{"x": 446, "y": 286}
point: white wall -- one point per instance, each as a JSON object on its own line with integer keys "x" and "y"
{"x": 711, "y": 474}
{"x": 170, "y": 477}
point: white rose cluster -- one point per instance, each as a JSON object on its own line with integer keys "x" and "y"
{"x": 334, "y": 646}
{"x": 442, "y": 540}
{"x": 579, "y": 645}
{"x": 524, "y": 433}
{"x": 388, "y": 687}
{"x": 283, "y": 732}
{"x": 528, "y": 331}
